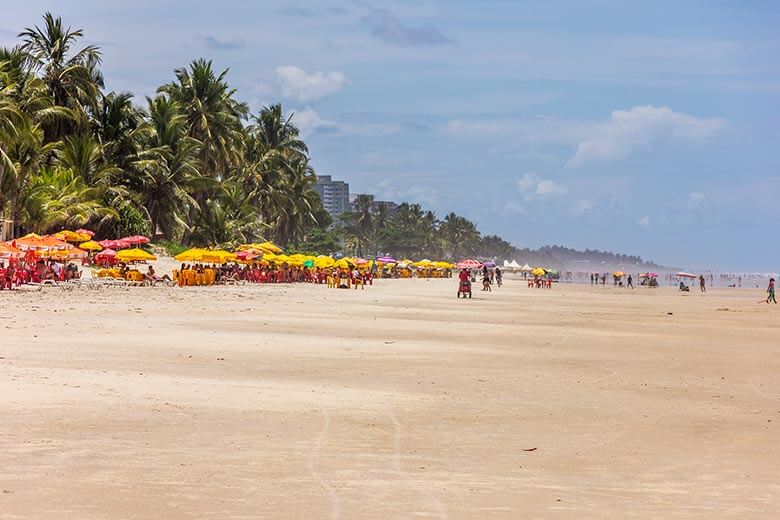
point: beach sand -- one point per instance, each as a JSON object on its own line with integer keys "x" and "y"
{"x": 399, "y": 401}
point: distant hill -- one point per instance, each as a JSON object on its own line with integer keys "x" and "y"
{"x": 568, "y": 259}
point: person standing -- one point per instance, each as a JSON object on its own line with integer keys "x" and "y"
{"x": 630, "y": 282}
{"x": 591, "y": 278}
{"x": 498, "y": 277}
{"x": 701, "y": 283}
{"x": 771, "y": 291}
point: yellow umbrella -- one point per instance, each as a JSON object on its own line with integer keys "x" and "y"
{"x": 71, "y": 236}
{"x": 191, "y": 255}
{"x": 343, "y": 264}
{"x": 134, "y": 255}
{"x": 91, "y": 246}
{"x": 618, "y": 274}
{"x": 218, "y": 256}
{"x": 324, "y": 262}
{"x": 271, "y": 247}
{"x": 538, "y": 271}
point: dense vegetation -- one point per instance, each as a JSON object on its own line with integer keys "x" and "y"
{"x": 192, "y": 164}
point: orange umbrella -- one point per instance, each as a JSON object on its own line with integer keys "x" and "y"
{"x": 7, "y": 250}
{"x": 33, "y": 241}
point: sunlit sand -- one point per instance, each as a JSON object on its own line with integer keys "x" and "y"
{"x": 398, "y": 401}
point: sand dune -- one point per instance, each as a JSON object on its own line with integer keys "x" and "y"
{"x": 399, "y": 401}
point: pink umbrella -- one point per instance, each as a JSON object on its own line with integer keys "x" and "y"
{"x": 136, "y": 239}
{"x": 468, "y": 264}
{"x": 106, "y": 253}
{"x": 86, "y": 232}
{"x": 245, "y": 255}
{"x": 115, "y": 244}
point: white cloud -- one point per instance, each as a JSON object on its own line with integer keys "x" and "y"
{"x": 644, "y": 221}
{"x": 695, "y": 199}
{"x": 308, "y": 120}
{"x": 582, "y": 207}
{"x": 299, "y": 85}
{"x": 641, "y": 128}
{"x": 532, "y": 186}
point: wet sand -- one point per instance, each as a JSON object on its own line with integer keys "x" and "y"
{"x": 399, "y": 401}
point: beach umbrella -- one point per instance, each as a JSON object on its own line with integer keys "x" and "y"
{"x": 106, "y": 253}
{"x": 618, "y": 274}
{"x": 136, "y": 240}
{"x": 538, "y": 271}
{"x": 386, "y": 260}
{"x": 91, "y": 246}
{"x": 489, "y": 263}
{"x": 71, "y": 236}
{"x": 9, "y": 251}
{"x": 217, "y": 256}
{"x": 308, "y": 263}
{"x": 190, "y": 255}
{"x": 114, "y": 244}
{"x": 86, "y": 232}
{"x": 271, "y": 247}
{"x": 324, "y": 262}
{"x": 468, "y": 264}
{"x": 683, "y": 274}
{"x": 39, "y": 243}
{"x": 135, "y": 255}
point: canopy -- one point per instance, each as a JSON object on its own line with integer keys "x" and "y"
{"x": 135, "y": 255}
{"x": 468, "y": 264}
{"x": 489, "y": 263}
{"x": 386, "y": 260}
{"x": 324, "y": 262}
{"x": 71, "y": 253}
{"x": 106, "y": 253}
{"x": 265, "y": 247}
{"x": 538, "y": 271}
{"x": 526, "y": 268}
{"x": 648, "y": 275}
{"x": 8, "y": 251}
{"x": 91, "y": 246}
{"x": 683, "y": 274}
{"x": 217, "y": 256}
{"x": 86, "y": 232}
{"x": 190, "y": 255}
{"x": 618, "y": 274}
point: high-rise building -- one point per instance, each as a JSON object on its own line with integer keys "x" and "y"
{"x": 334, "y": 194}
{"x": 390, "y": 207}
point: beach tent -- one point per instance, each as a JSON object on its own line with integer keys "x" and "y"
{"x": 526, "y": 268}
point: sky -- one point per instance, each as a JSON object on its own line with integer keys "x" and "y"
{"x": 640, "y": 127}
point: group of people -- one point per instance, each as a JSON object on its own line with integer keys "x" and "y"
{"x": 17, "y": 273}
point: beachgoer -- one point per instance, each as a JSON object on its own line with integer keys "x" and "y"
{"x": 630, "y": 282}
{"x": 701, "y": 283}
{"x": 499, "y": 279}
{"x": 771, "y": 291}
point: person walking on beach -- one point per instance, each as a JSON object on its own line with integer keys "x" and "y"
{"x": 591, "y": 278}
{"x": 701, "y": 283}
{"x": 630, "y": 282}
{"x": 771, "y": 291}
{"x": 498, "y": 277}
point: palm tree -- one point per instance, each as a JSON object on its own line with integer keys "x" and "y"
{"x": 212, "y": 114}
{"x": 459, "y": 235}
{"x": 360, "y": 222}
{"x": 120, "y": 128}
{"x": 59, "y": 198}
{"x": 71, "y": 78}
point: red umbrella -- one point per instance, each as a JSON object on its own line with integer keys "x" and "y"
{"x": 106, "y": 253}
{"x": 245, "y": 255}
{"x": 135, "y": 240}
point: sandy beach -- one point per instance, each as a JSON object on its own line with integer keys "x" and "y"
{"x": 399, "y": 401}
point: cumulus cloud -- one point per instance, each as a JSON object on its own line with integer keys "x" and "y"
{"x": 386, "y": 27}
{"x": 644, "y": 221}
{"x": 531, "y": 186}
{"x": 221, "y": 45}
{"x": 297, "y": 84}
{"x": 582, "y": 207}
{"x": 641, "y": 128}
{"x": 308, "y": 121}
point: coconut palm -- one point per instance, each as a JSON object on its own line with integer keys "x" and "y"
{"x": 71, "y": 76}
{"x": 212, "y": 113}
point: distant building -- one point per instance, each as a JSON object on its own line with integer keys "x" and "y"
{"x": 334, "y": 195}
{"x": 390, "y": 207}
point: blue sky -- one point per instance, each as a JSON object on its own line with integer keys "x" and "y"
{"x": 649, "y": 128}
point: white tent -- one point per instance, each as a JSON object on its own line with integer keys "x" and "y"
{"x": 526, "y": 268}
